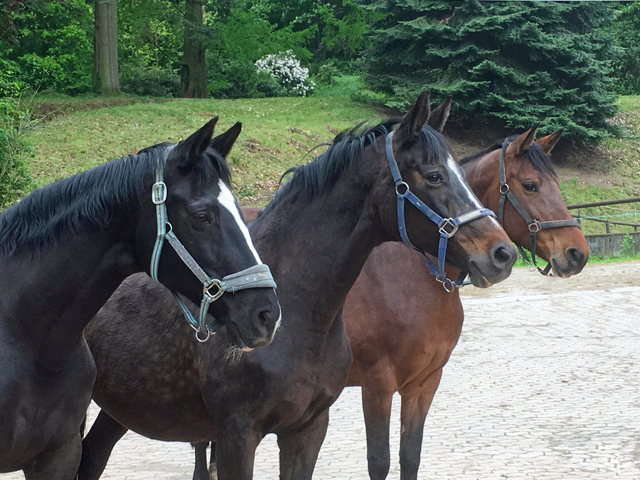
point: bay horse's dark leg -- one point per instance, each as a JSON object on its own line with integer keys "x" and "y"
{"x": 60, "y": 464}
{"x": 201, "y": 471}
{"x": 299, "y": 450}
{"x": 97, "y": 446}
{"x": 235, "y": 453}
{"x": 413, "y": 411}
{"x": 377, "y": 414}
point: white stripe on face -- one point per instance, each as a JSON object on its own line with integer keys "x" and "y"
{"x": 227, "y": 200}
{"x": 456, "y": 170}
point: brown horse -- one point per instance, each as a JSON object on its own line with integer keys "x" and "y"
{"x": 403, "y": 326}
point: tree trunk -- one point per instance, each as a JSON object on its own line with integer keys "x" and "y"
{"x": 194, "y": 68}
{"x": 105, "y": 47}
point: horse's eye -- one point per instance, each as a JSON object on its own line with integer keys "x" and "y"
{"x": 202, "y": 217}
{"x": 434, "y": 178}
{"x": 531, "y": 187}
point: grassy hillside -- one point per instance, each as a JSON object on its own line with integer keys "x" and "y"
{"x": 277, "y": 133}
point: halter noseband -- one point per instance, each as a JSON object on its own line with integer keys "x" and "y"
{"x": 447, "y": 226}
{"x": 534, "y": 225}
{"x": 257, "y": 276}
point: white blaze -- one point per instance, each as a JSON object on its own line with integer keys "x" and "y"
{"x": 227, "y": 200}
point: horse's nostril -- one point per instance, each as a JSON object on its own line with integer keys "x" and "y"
{"x": 574, "y": 256}
{"x": 503, "y": 256}
{"x": 262, "y": 322}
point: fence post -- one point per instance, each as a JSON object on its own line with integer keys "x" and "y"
{"x": 606, "y": 225}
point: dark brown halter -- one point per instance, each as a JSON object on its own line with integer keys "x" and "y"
{"x": 534, "y": 225}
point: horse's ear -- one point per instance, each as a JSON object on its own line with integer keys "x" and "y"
{"x": 196, "y": 144}
{"x": 547, "y": 143}
{"x": 439, "y": 115}
{"x": 520, "y": 145}
{"x": 223, "y": 143}
{"x": 408, "y": 131}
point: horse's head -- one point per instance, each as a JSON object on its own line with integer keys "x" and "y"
{"x": 204, "y": 216}
{"x": 530, "y": 178}
{"x": 429, "y": 171}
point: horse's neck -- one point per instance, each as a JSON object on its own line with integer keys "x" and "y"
{"x": 55, "y": 293}
{"x": 316, "y": 249}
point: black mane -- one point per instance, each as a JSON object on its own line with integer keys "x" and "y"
{"x": 534, "y": 153}
{"x": 83, "y": 202}
{"x": 320, "y": 174}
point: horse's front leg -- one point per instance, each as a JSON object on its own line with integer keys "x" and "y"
{"x": 201, "y": 471}
{"x": 299, "y": 450}
{"x": 376, "y": 405}
{"x": 235, "y": 452}
{"x": 98, "y": 444}
{"x": 59, "y": 464}
{"x": 413, "y": 411}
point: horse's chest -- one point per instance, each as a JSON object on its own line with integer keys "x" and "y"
{"x": 39, "y": 408}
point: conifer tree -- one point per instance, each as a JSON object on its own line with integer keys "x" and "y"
{"x": 512, "y": 64}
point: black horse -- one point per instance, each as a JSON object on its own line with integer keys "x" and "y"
{"x": 64, "y": 250}
{"x": 317, "y": 234}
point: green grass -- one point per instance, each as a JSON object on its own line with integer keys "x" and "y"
{"x": 277, "y": 133}
{"x": 593, "y": 260}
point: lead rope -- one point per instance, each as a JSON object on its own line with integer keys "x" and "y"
{"x": 533, "y": 225}
{"x": 446, "y": 226}
{"x": 257, "y": 276}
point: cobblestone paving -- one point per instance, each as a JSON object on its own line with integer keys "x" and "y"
{"x": 544, "y": 384}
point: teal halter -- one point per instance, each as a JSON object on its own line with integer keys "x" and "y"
{"x": 257, "y": 276}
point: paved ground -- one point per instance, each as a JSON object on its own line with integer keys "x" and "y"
{"x": 544, "y": 384}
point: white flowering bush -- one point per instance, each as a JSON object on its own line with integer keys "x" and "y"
{"x": 285, "y": 68}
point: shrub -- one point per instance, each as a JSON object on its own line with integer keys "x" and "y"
{"x": 149, "y": 81}
{"x": 286, "y": 69}
{"x": 628, "y": 246}
{"x": 15, "y": 123}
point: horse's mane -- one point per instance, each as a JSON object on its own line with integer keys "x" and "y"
{"x": 534, "y": 153}
{"x": 319, "y": 175}
{"x": 83, "y": 202}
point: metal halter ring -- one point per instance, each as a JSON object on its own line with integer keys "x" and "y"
{"x": 534, "y": 226}
{"x": 405, "y": 186}
{"x": 447, "y": 284}
{"x": 504, "y": 189}
{"x": 214, "y": 283}
{"x": 448, "y": 223}
{"x": 202, "y": 340}
{"x": 159, "y": 193}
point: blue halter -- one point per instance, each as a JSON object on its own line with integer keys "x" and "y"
{"x": 257, "y": 276}
{"x": 447, "y": 226}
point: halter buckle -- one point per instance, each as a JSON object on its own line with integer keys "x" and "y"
{"x": 210, "y": 298}
{"x": 504, "y": 189}
{"x": 159, "y": 193}
{"x": 534, "y": 226}
{"x": 448, "y": 224}
{"x": 404, "y": 186}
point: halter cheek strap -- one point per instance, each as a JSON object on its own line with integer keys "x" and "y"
{"x": 534, "y": 225}
{"x": 446, "y": 226}
{"x": 257, "y": 276}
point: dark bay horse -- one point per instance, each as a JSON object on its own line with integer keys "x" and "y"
{"x": 64, "y": 250}
{"x": 316, "y": 234}
{"x": 402, "y": 346}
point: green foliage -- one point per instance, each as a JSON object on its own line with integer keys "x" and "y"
{"x": 149, "y": 81}
{"x": 509, "y": 64}
{"x": 626, "y": 30}
{"x": 15, "y": 122}
{"x": 628, "y": 246}
{"x": 53, "y": 47}
{"x": 236, "y": 42}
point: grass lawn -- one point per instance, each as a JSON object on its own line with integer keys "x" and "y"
{"x": 277, "y": 133}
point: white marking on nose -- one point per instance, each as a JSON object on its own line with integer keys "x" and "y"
{"x": 227, "y": 200}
